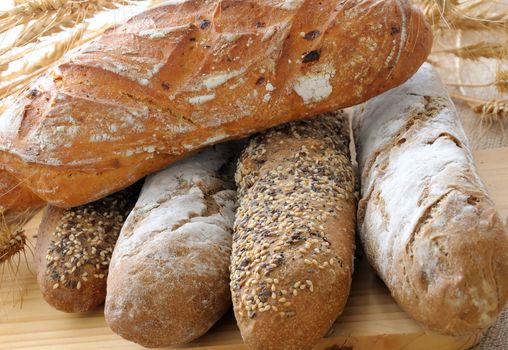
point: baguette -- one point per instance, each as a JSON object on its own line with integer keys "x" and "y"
{"x": 179, "y": 77}
{"x": 426, "y": 220}
{"x": 293, "y": 240}
{"x": 73, "y": 250}
{"x": 168, "y": 279}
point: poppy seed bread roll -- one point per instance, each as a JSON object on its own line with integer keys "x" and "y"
{"x": 74, "y": 248}
{"x": 293, "y": 240}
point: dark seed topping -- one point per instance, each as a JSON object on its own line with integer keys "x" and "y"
{"x": 313, "y": 34}
{"x": 311, "y": 56}
{"x": 260, "y": 80}
{"x": 84, "y": 240}
{"x": 204, "y": 24}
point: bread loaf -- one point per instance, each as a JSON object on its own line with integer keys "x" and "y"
{"x": 426, "y": 220}
{"x": 168, "y": 279}
{"x": 74, "y": 247}
{"x": 179, "y": 77}
{"x": 293, "y": 240}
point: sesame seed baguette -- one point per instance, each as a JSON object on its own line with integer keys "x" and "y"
{"x": 192, "y": 73}
{"x": 74, "y": 247}
{"x": 426, "y": 220}
{"x": 293, "y": 240}
{"x": 169, "y": 275}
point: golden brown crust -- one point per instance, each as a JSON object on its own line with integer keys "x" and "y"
{"x": 177, "y": 78}
{"x": 73, "y": 250}
{"x": 294, "y": 233}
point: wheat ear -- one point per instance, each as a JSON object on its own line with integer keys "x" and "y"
{"x": 40, "y": 18}
{"x": 19, "y": 79}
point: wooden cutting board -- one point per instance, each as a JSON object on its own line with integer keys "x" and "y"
{"x": 371, "y": 319}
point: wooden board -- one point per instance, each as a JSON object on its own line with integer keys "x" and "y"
{"x": 371, "y": 319}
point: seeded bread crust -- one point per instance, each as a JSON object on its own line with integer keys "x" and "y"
{"x": 293, "y": 240}
{"x": 426, "y": 220}
{"x": 73, "y": 250}
{"x": 168, "y": 279}
{"x": 182, "y": 76}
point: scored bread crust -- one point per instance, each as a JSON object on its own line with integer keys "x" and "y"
{"x": 293, "y": 240}
{"x": 179, "y": 77}
{"x": 74, "y": 247}
{"x": 168, "y": 278}
{"x": 426, "y": 220}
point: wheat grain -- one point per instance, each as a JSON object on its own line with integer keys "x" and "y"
{"x": 12, "y": 233}
{"x": 495, "y": 110}
{"x": 501, "y": 81}
{"x": 492, "y": 110}
{"x": 13, "y": 249}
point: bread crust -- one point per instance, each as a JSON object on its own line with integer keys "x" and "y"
{"x": 180, "y": 77}
{"x": 168, "y": 279}
{"x": 293, "y": 242}
{"x": 426, "y": 220}
{"x": 74, "y": 247}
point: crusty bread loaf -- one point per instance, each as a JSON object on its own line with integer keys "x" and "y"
{"x": 168, "y": 280}
{"x": 426, "y": 221}
{"x": 179, "y": 77}
{"x": 74, "y": 247}
{"x": 293, "y": 240}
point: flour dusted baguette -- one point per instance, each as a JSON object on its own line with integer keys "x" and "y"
{"x": 74, "y": 247}
{"x": 168, "y": 281}
{"x": 179, "y": 77}
{"x": 426, "y": 221}
{"x": 293, "y": 239}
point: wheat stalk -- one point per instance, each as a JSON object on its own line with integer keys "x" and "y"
{"x": 18, "y": 79}
{"x": 40, "y": 18}
{"x": 469, "y": 15}
{"x": 479, "y": 50}
{"x": 500, "y": 82}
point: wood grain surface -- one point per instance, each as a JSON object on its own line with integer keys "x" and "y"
{"x": 371, "y": 319}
